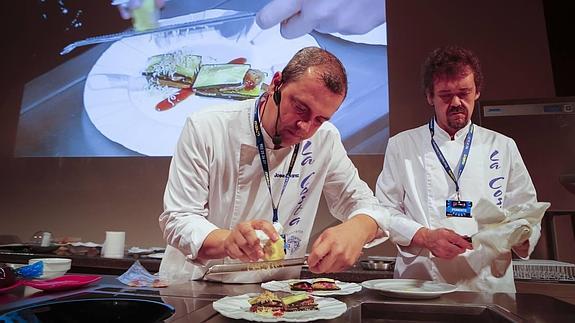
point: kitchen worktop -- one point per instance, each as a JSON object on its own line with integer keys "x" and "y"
{"x": 110, "y": 266}
{"x": 86, "y": 264}
{"x": 193, "y": 303}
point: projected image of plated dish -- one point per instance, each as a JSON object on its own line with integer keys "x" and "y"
{"x": 142, "y": 88}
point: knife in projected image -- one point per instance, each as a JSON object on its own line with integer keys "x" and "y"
{"x": 132, "y": 32}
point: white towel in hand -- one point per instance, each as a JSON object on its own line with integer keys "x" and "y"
{"x": 500, "y": 230}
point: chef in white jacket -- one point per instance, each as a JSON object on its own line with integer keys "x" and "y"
{"x": 245, "y": 166}
{"x": 435, "y": 174}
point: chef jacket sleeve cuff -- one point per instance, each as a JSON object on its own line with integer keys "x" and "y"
{"x": 189, "y": 233}
{"x": 381, "y": 217}
{"x": 402, "y": 230}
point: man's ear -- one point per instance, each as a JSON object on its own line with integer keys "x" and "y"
{"x": 477, "y": 95}
{"x": 277, "y": 80}
{"x": 429, "y": 99}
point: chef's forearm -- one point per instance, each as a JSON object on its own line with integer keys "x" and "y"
{"x": 213, "y": 246}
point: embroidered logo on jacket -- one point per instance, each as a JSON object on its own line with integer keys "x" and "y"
{"x": 495, "y": 183}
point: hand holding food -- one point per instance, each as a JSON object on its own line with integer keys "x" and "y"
{"x": 273, "y": 250}
{"x": 243, "y": 242}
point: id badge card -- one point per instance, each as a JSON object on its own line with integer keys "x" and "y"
{"x": 460, "y": 209}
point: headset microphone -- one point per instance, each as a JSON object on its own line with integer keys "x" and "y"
{"x": 277, "y": 139}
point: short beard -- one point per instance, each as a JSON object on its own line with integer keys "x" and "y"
{"x": 458, "y": 123}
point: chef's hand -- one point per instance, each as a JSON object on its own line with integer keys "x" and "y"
{"x": 127, "y": 6}
{"x": 338, "y": 247}
{"x": 522, "y": 250}
{"x": 299, "y": 17}
{"x": 443, "y": 243}
{"x": 242, "y": 242}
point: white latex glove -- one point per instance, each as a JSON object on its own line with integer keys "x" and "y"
{"x": 299, "y": 17}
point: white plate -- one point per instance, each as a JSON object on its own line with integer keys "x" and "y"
{"x": 409, "y": 288}
{"x": 123, "y": 109}
{"x": 237, "y": 307}
{"x": 284, "y": 286}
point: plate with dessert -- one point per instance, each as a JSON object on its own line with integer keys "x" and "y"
{"x": 315, "y": 286}
{"x": 273, "y": 307}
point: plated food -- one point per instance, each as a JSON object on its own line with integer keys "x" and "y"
{"x": 316, "y": 286}
{"x": 184, "y": 69}
{"x": 271, "y": 305}
{"x": 291, "y": 308}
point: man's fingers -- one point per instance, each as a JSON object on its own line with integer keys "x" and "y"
{"x": 248, "y": 234}
{"x": 277, "y": 11}
{"x": 266, "y": 227}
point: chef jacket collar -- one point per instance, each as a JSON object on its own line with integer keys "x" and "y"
{"x": 442, "y": 135}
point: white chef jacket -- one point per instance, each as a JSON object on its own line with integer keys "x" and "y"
{"x": 216, "y": 181}
{"x": 414, "y": 186}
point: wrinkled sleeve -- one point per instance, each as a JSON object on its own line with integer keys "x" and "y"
{"x": 520, "y": 190}
{"x": 183, "y": 222}
{"x": 347, "y": 195}
{"x": 390, "y": 192}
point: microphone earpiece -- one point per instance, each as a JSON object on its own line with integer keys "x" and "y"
{"x": 277, "y": 97}
{"x": 277, "y": 139}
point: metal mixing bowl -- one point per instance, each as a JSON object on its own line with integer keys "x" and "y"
{"x": 378, "y": 263}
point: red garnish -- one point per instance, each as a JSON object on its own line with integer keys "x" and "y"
{"x": 174, "y": 99}
{"x": 239, "y": 60}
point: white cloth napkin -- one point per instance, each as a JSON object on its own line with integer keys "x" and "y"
{"x": 500, "y": 230}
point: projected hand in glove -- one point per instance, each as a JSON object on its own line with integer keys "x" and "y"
{"x": 299, "y": 17}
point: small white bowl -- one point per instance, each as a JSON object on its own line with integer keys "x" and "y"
{"x": 53, "y": 267}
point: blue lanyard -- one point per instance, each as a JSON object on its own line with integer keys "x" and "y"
{"x": 462, "y": 159}
{"x": 264, "y": 159}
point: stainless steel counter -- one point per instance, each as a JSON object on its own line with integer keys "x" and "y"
{"x": 193, "y": 303}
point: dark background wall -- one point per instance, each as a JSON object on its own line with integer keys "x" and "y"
{"x": 83, "y": 197}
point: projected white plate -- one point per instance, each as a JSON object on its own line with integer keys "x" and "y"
{"x": 237, "y": 307}
{"x": 122, "y": 108}
{"x": 409, "y": 288}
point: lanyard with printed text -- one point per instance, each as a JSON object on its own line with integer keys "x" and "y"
{"x": 462, "y": 159}
{"x": 264, "y": 159}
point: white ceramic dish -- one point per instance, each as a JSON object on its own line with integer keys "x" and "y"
{"x": 237, "y": 307}
{"x": 53, "y": 267}
{"x": 409, "y": 288}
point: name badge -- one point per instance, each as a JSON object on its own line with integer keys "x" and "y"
{"x": 460, "y": 209}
